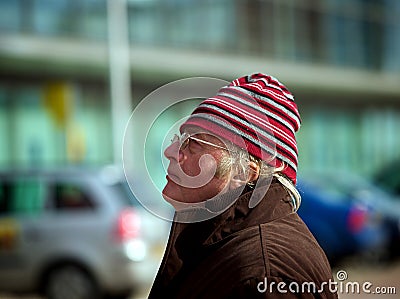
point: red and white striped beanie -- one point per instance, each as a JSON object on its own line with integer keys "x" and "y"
{"x": 257, "y": 112}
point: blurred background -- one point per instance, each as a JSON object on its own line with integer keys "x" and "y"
{"x": 71, "y": 71}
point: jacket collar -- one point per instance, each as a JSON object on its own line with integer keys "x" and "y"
{"x": 276, "y": 203}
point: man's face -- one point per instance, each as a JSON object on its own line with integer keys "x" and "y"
{"x": 191, "y": 171}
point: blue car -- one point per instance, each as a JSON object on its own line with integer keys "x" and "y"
{"x": 361, "y": 190}
{"x": 342, "y": 227}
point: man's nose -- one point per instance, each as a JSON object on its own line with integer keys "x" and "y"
{"x": 172, "y": 152}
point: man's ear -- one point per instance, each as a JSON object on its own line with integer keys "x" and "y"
{"x": 238, "y": 180}
{"x": 254, "y": 172}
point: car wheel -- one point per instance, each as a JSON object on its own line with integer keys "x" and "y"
{"x": 70, "y": 281}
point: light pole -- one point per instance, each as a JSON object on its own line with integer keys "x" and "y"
{"x": 119, "y": 64}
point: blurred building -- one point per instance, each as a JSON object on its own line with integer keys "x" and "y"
{"x": 340, "y": 57}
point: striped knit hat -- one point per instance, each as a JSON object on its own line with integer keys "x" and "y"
{"x": 255, "y": 112}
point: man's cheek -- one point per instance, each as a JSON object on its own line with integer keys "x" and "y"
{"x": 196, "y": 174}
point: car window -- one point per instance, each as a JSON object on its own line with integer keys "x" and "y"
{"x": 4, "y": 191}
{"x": 69, "y": 196}
{"x": 124, "y": 194}
{"x": 23, "y": 196}
{"x": 328, "y": 186}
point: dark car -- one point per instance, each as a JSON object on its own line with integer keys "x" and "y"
{"x": 341, "y": 226}
{"x": 388, "y": 178}
{"x": 357, "y": 189}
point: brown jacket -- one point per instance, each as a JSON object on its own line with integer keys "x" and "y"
{"x": 244, "y": 253}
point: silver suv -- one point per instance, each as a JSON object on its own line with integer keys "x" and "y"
{"x": 73, "y": 234}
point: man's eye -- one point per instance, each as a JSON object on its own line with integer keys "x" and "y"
{"x": 194, "y": 144}
{"x": 184, "y": 144}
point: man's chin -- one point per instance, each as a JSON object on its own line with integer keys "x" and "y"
{"x": 175, "y": 201}
{"x": 169, "y": 196}
{"x": 169, "y": 191}
{"x": 177, "y": 205}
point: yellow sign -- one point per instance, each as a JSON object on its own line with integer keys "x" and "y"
{"x": 58, "y": 97}
{"x": 8, "y": 234}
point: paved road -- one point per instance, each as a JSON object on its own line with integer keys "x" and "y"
{"x": 380, "y": 282}
{"x": 374, "y": 277}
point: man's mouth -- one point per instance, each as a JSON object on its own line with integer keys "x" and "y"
{"x": 172, "y": 177}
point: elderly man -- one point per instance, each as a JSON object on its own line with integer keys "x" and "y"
{"x": 231, "y": 179}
